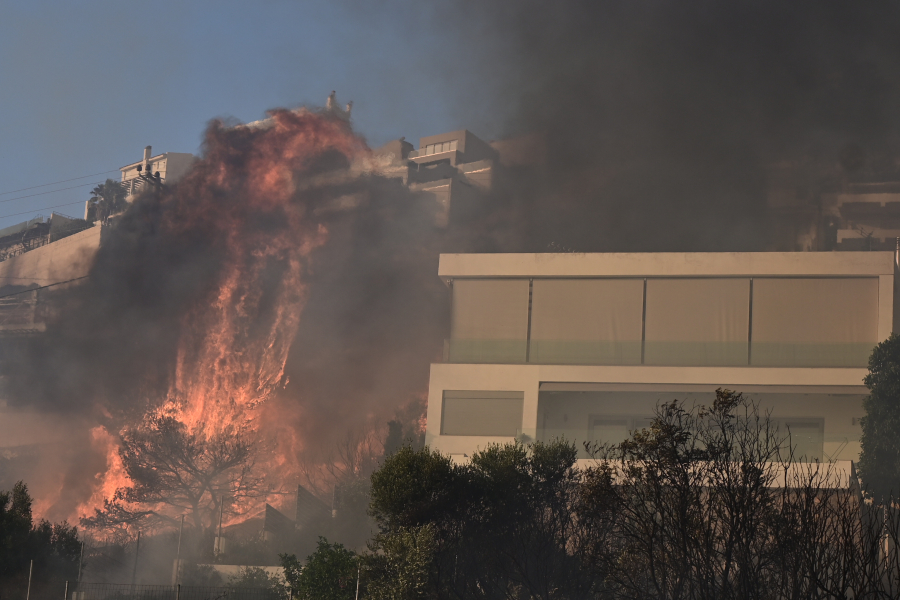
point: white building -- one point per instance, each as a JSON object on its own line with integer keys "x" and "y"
{"x": 586, "y": 345}
{"x": 171, "y": 166}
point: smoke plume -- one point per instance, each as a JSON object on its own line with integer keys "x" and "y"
{"x": 667, "y": 125}
{"x": 286, "y": 284}
{"x": 283, "y": 241}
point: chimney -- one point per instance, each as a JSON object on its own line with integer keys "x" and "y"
{"x": 147, "y": 159}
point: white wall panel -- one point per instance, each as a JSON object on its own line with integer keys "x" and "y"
{"x": 482, "y": 413}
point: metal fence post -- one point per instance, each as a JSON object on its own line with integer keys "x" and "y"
{"x": 178, "y": 591}
{"x": 66, "y": 593}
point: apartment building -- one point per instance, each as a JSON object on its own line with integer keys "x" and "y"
{"x": 585, "y": 346}
{"x": 453, "y": 167}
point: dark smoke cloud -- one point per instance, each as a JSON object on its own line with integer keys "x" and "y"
{"x": 662, "y": 119}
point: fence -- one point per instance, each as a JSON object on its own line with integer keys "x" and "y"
{"x": 114, "y": 591}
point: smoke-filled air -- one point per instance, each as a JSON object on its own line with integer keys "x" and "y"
{"x": 270, "y": 313}
{"x": 234, "y": 309}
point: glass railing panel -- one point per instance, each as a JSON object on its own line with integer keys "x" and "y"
{"x": 485, "y": 351}
{"x": 680, "y": 354}
{"x": 764, "y": 354}
{"x": 684, "y": 354}
{"x": 564, "y": 352}
{"x": 570, "y": 435}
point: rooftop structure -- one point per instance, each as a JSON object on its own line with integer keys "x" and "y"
{"x": 452, "y": 167}
{"x": 585, "y": 346}
{"x": 171, "y": 166}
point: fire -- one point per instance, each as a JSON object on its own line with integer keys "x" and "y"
{"x": 247, "y": 198}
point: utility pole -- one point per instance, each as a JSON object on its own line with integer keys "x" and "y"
{"x": 176, "y": 570}
{"x": 137, "y": 549}
{"x": 80, "y": 561}
{"x": 221, "y": 517}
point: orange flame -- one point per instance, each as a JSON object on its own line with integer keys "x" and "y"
{"x": 235, "y": 340}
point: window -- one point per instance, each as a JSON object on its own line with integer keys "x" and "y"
{"x": 586, "y": 321}
{"x": 814, "y": 322}
{"x": 605, "y": 429}
{"x": 697, "y": 321}
{"x": 806, "y": 437}
{"x": 439, "y": 147}
{"x": 489, "y": 321}
{"x": 482, "y": 413}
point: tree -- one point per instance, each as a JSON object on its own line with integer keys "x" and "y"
{"x": 107, "y": 199}
{"x": 330, "y": 573}
{"x": 173, "y": 470}
{"x": 15, "y": 529}
{"x": 257, "y": 578}
{"x": 500, "y": 526}
{"x": 54, "y": 548}
{"x": 399, "y": 564}
{"x": 707, "y": 503}
{"x": 879, "y": 460}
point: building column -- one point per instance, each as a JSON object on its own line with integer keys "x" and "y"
{"x": 530, "y": 409}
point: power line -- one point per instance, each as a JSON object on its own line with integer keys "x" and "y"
{"x": 56, "y": 182}
{"x": 34, "y": 289}
{"x": 52, "y": 191}
{"x": 28, "y": 212}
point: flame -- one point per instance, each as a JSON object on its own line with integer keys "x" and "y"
{"x": 247, "y": 197}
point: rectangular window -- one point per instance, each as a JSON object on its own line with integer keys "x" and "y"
{"x": 586, "y": 321}
{"x": 608, "y": 430}
{"x": 453, "y": 145}
{"x": 806, "y": 438}
{"x": 482, "y": 413}
{"x": 814, "y": 322}
{"x": 697, "y": 321}
{"x": 489, "y": 321}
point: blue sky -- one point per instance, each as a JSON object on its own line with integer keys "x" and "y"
{"x": 84, "y": 86}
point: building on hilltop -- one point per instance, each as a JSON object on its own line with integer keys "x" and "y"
{"x": 584, "y": 346}
{"x": 453, "y": 167}
{"x": 171, "y": 166}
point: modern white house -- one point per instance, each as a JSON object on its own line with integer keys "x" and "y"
{"x": 585, "y": 346}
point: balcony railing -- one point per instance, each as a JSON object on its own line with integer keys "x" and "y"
{"x": 719, "y": 354}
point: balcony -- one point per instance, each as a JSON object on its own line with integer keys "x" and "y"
{"x": 682, "y": 354}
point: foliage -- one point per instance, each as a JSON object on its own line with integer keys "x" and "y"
{"x": 193, "y": 574}
{"x": 107, "y": 199}
{"x": 258, "y": 578}
{"x": 399, "y": 565}
{"x": 498, "y": 527}
{"x": 330, "y": 573}
{"x": 706, "y": 503}
{"x": 54, "y": 547}
{"x": 173, "y": 470}
{"x": 879, "y": 461}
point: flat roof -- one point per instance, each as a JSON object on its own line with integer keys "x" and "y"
{"x": 663, "y": 264}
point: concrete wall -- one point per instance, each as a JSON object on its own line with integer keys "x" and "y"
{"x": 68, "y": 258}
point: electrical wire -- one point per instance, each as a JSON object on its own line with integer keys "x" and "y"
{"x": 51, "y": 191}
{"x": 57, "y": 182}
{"x": 34, "y": 289}
{"x": 31, "y": 211}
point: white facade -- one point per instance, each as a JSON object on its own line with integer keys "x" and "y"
{"x": 585, "y": 346}
{"x": 171, "y": 166}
